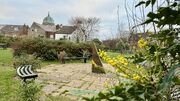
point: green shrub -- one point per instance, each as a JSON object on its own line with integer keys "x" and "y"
{"x": 158, "y": 57}
{"x": 27, "y": 60}
{"x": 7, "y": 40}
{"x": 128, "y": 92}
{"x": 29, "y": 91}
{"x": 48, "y": 49}
{"x": 122, "y": 46}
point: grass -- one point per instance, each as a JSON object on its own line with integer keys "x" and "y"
{"x": 6, "y": 56}
{"x": 114, "y": 54}
{"x": 45, "y": 63}
{"x": 8, "y": 84}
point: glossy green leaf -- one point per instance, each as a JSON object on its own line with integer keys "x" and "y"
{"x": 168, "y": 78}
{"x": 116, "y": 98}
{"x": 153, "y": 2}
{"x": 174, "y": 4}
{"x": 147, "y": 3}
{"x": 142, "y": 96}
{"x": 147, "y": 21}
{"x": 140, "y": 3}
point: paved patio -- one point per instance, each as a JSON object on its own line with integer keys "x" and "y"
{"x": 73, "y": 80}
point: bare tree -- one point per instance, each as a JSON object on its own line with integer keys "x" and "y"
{"x": 90, "y": 25}
{"x": 135, "y": 17}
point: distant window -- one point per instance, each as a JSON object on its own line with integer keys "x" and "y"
{"x": 52, "y": 36}
{"x": 35, "y": 30}
{"x": 64, "y": 37}
{"x": 14, "y": 35}
{"x": 16, "y": 29}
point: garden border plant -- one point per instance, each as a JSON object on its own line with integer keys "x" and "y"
{"x": 47, "y": 49}
{"x": 29, "y": 91}
{"x": 153, "y": 71}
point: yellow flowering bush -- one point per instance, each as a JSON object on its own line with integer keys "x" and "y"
{"x": 142, "y": 43}
{"x": 160, "y": 56}
{"x": 125, "y": 68}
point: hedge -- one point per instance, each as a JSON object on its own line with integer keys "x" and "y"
{"x": 48, "y": 49}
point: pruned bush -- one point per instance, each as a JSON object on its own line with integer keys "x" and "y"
{"x": 29, "y": 91}
{"x": 122, "y": 47}
{"x": 47, "y": 49}
{"x": 26, "y": 59}
{"x": 7, "y": 40}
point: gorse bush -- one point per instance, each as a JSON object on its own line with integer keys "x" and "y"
{"x": 47, "y": 49}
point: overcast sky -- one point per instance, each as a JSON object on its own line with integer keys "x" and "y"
{"x": 29, "y": 11}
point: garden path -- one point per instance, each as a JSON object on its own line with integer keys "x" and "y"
{"x": 74, "y": 80}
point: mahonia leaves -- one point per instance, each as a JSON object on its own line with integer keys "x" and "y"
{"x": 148, "y": 2}
{"x": 152, "y": 2}
{"x": 164, "y": 15}
{"x": 168, "y": 78}
{"x": 140, "y": 3}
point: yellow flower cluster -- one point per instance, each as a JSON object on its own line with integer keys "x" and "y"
{"x": 113, "y": 61}
{"x": 136, "y": 77}
{"x": 142, "y": 43}
{"x": 122, "y": 60}
{"x": 102, "y": 53}
{"x": 125, "y": 76}
{"x": 123, "y": 67}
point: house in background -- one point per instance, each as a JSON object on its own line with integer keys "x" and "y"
{"x": 14, "y": 30}
{"x": 49, "y": 30}
{"x": 40, "y": 30}
{"x": 65, "y": 32}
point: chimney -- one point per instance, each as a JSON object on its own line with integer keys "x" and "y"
{"x": 57, "y": 26}
{"x": 61, "y": 25}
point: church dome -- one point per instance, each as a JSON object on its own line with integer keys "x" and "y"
{"x": 48, "y": 20}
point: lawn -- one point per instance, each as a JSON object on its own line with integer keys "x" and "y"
{"x": 8, "y": 84}
{"x": 6, "y": 57}
{"x": 114, "y": 54}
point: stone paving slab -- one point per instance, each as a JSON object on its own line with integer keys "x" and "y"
{"x": 75, "y": 83}
{"x": 58, "y": 79}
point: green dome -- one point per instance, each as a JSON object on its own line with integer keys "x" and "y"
{"x": 48, "y": 20}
